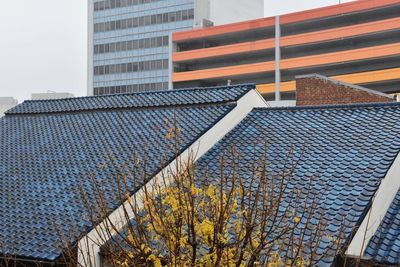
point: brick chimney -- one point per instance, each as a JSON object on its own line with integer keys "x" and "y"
{"x": 314, "y": 89}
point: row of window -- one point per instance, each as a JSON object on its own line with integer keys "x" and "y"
{"x": 144, "y": 21}
{"x": 131, "y": 45}
{"x": 131, "y": 67}
{"x": 130, "y": 88}
{"x": 110, "y": 4}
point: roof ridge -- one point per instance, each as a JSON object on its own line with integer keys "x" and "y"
{"x": 144, "y": 92}
{"x": 170, "y": 98}
{"x": 337, "y": 106}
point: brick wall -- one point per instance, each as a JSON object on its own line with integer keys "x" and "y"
{"x": 312, "y": 90}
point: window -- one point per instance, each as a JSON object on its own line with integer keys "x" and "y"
{"x": 109, "y": 4}
{"x": 178, "y": 16}
{"x": 124, "y": 24}
{"x": 113, "y": 47}
{"x": 158, "y": 41}
{"x": 145, "y": 21}
{"x": 184, "y": 14}
{"x": 130, "y": 88}
{"x": 191, "y": 13}
{"x": 107, "y": 26}
{"x": 158, "y": 65}
{"x": 159, "y": 18}
{"x": 129, "y": 45}
{"x": 135, "y": 22}
{"x": 153, "y": 19}
{"x": 118, "y": 68}
{"x": 165, "y": 40}
{"x": 124, "y": 3}
{"x": 136, "y": 44}
{"x": 113, "y": 69}
{"x": 116, "y": 24}
{"x": 147, "y": 43}
{"x": 123, "y": 46}
{"x": 131, "y": 67}
{"x": 124, "y": 68}
{"x": 153, "y": 65}
{"x": 118, "y": 46}
{"x": 165, "y": 64}
{"x": 141, "y": 21}
{"x": 165, "y": 18}
{"x": 172, "y": 16}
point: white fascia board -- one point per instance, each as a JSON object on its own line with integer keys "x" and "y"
{"x": 95, "y": 238}
{"x": 381, "y": 202}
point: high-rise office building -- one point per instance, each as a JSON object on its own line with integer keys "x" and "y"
{"x": 129, "y": 40}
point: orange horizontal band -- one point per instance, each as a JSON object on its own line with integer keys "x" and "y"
{"x": 219, "y": 51}
{"x": 268, "y": 88}
{"x": 223, "y": 72}
{"x": 312, "y": 37}
{"x": 342, "y": 56}
{"x": 285, "y": 19}
{"x": 222, "y": 29}
{"x": 342, "y": 32}
{"x": 353, "y": 78}
{"x": 292, "y": 63}
{"x": 335, "y": 10}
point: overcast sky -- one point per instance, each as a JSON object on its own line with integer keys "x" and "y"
{"x": 43, "y": 43}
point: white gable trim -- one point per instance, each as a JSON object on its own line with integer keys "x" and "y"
{"x": 382, "y": 200}
{"x": 93, "y": 240}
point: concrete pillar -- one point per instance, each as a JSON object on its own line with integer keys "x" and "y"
{"x": 277, "y": 59}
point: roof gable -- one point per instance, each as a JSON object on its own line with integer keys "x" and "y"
{"x": 50, "y": 148}
{"x": 349, "y": 149}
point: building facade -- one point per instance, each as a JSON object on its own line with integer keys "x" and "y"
{"x": 356, "y": 42}
{"x": 51, "y": 95}
{"x": 129, "y": 40}
{"x": 6, "y": 103}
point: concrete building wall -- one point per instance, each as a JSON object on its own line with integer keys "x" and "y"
{"x": 229, "y": 11}
{"x": 7, "y": 103}
{"x": 218, "y": 12}
{"x": 315, "y": 90}
{"x": 44, "y": 96}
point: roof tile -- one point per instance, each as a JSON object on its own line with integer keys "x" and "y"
{"x": 349, "y": 148}
{"x": 384, "y": 246}
{"x": 135, "y": 100}
{"x": 50, "y": 149}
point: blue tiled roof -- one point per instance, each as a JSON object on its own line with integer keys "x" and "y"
{"x": 135, "y": 100}
{"x": 348, "y": 148}
{"x": 45, "y": 157}
{"x": 384, "y": 246}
